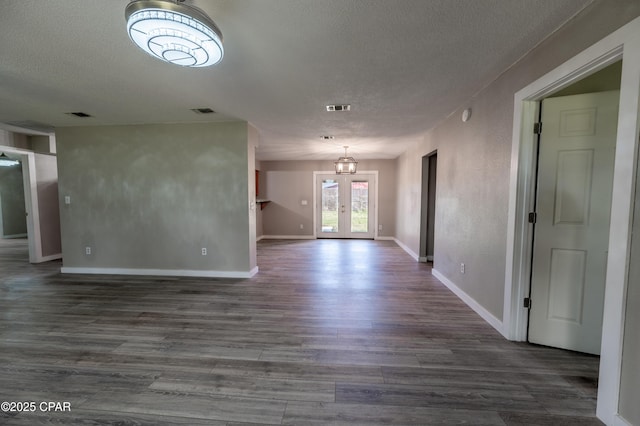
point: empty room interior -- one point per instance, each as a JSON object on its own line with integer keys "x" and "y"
{"x": 259, "y": 212}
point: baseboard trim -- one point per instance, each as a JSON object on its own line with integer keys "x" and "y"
{"x": 407, "y": 249}
{"x": 160, "y": 272}
{"x": 423, "y": 259}
{"x": 470, "y": 301}
{"x": 618, "y": 420}
{"x": 259, "y": 238}
{"x": 384, "y": 238}
{"x": 288, "y": 237}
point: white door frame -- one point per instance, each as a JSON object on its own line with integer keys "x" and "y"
{"x": 375, "y": 199}
{"x": 621, "y": 44}
{"x": 31, "y": 200}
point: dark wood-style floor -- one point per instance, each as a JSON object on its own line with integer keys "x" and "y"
{"x": 329, "y": 332}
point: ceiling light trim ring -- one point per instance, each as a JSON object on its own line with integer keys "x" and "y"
{"x": 174, "y": 33}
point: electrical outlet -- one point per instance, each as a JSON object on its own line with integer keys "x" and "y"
{"x": 67, "y": 199}
{"x": 462, "y": 268}
{"x": 87, "y": 250}
{"x": 379, "y": 227}
{"x": 204, "y": 251}
{"x": 301, "y": 226}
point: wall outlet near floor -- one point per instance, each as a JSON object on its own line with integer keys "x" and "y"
{"x": 462, "y": 268}
{"x": 301, "y": 226}
{"x": 379, "y": 227}
{"x": 87, "y": 250}
{"x": 204, "y": 251}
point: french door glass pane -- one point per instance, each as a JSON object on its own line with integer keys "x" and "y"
{"x": 359, "y": 206}
{"x": 330, "y": 205}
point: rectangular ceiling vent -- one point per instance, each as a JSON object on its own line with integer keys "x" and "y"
{"x": 203, "y": 110}
{"x": 338, "y": 108}
{"x": 326, "y": 137}
{"x": 78, "y": 114}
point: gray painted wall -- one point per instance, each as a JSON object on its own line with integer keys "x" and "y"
{"x": 474, "y": 163}
{"x": 151, "y": 196}
{"x": 12, "y": 205}
{"x": 287, "y": 183}
{"x": 630, "y": 382}
{"x": 48, "y": 208}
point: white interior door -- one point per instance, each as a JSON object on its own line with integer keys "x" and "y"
{"x": 345, "y": 206}
{"x": 575, "y": 179}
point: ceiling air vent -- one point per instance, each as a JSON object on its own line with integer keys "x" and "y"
{"x": 203, "y": 110}
{"x": 326, "y": 138}
{"x": 337, "y": 108}
{"x": 78, "y": 114}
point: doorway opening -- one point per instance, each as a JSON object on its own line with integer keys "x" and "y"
{"x": 428, "y": 206}
{"x": 619, "y": 45}
{"x": 13, "y": 214}
{"x": 345, "y": 206}
{"x": 571, "y": 212}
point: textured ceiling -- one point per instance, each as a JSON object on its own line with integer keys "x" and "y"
{"x": 403, "y": 65}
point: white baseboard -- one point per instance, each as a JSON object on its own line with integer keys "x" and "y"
{"x": 618, "y": 420}
{"x": 288, "y": 237}
{"x": 161, "y": 272}
{"x": 384, "y": 238}
{"x": 470, "y": 301}
{"x": 407, "y": 249}
{"x": 259, "y": 238}
{"x": 48, "y": 258}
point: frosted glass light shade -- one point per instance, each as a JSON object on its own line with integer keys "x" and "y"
{"x": 175, "y": 33}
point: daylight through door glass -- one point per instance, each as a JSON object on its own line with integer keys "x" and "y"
{"x": 330, "y": 205}
{"x": 359, "y": 206}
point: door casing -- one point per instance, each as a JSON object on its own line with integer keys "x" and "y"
{"x": 624, "y": 44}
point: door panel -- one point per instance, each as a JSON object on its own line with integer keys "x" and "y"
{"x": 345, "y": 206}
{"x": 575, "y": 178}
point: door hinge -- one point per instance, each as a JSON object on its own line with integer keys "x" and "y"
{"x": 537, "y": 128}
{"x": 533, "y": 217}
{"x": 527, "y": 302}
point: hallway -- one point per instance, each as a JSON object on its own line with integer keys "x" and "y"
{"x": 328, "y": 332}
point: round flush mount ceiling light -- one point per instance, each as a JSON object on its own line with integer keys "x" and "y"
{"x": 174, "y": 32}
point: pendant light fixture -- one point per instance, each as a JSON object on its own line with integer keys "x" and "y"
{"x": 345, "y": 165}
{"x": 174, "y": 32}
{"x": 7, "y": 162}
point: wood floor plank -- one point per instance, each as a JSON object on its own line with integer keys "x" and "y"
{"x": 247, "y": 386}
{"x": 300, "y": 413}
{"x": 328, "y": 332}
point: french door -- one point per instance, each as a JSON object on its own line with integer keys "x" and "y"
{"x": 345, "y": 206}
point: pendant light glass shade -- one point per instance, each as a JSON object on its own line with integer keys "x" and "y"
{"x": 346, "y": 165}
{"x": 174, "y": 32}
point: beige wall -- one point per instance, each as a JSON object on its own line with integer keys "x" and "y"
{"x": 48, "y": 208}
{"x": 287, "y": 183}
{"x": 474, "y": 163}
{"x": 13, "y": 222}
{"x": 151, "y": 196}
